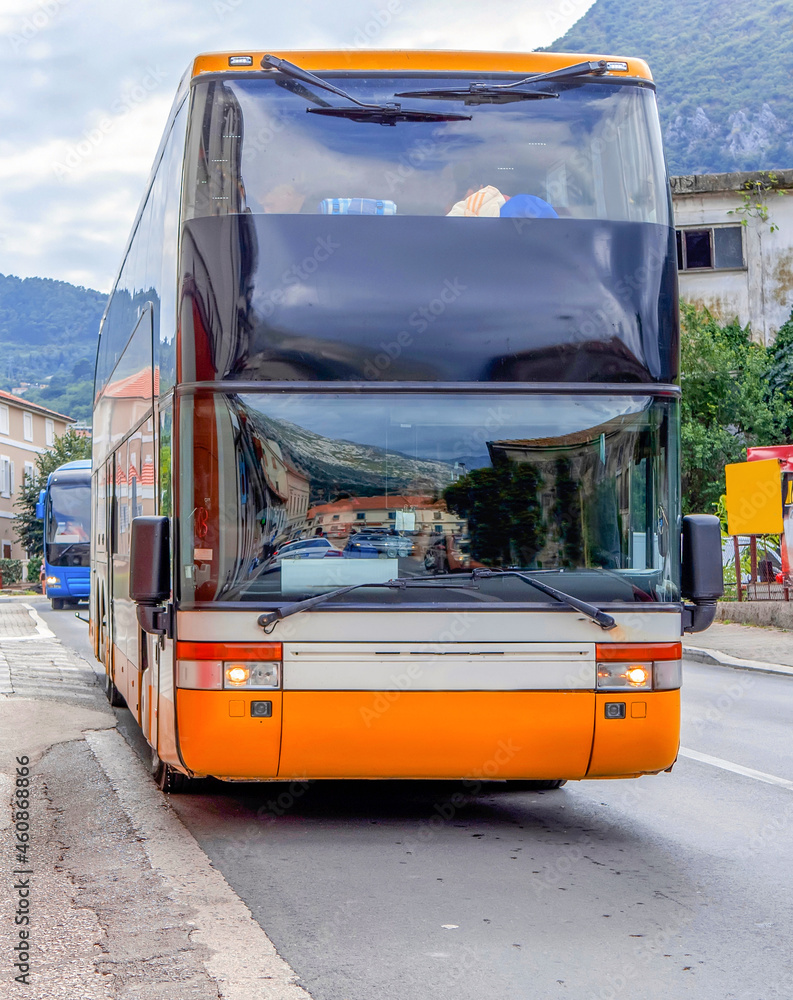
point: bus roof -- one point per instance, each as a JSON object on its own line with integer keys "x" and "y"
{"x": 418, "y": 61}
{"x": 80, "y": 463}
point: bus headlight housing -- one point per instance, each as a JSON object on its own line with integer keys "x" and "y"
{"x": 232, "y": 666}
{"x": 652, "y": 666}
{"x": 53, "y": 581}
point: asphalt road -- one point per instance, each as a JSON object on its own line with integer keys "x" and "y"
{"x": 667, "y": 887}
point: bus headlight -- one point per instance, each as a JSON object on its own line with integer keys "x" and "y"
{"x": 53, "y": 581}
{"x": 625, "y": 676}
{"x": 252, "y": 676}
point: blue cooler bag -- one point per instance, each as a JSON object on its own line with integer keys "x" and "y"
{"x": 356, "y": 206}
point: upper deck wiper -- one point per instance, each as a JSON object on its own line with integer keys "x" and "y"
{"x": 483, "y": 94}
{"x": 477, "y": 92}
{"x": 379, "y": 114}
{"x": 271, "y": 618}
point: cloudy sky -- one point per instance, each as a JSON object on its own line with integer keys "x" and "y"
{"x": 87, "y": 85}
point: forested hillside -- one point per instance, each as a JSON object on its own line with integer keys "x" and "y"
{"x": 48, "y": 333}
{"x": 723, "y": 71}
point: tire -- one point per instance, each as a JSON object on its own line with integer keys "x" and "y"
{"x": 547, "y": 785}
{"x": 168, "y": 779}
{"x": 57, "y": 603}
{"x": 114, "y": 696}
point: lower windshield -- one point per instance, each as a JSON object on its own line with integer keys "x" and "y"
{"x": 68, "y": 525}
{"x": 287, "y": 496}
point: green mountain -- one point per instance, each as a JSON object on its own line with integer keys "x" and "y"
{"x": 48, "y": 334}
{"x": 723, "y": 70}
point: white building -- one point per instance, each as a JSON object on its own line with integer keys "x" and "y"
{"x": 735, "y": 270}
{"x": 26, "y": 430}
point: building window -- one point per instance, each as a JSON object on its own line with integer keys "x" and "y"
{"x": 3, "y": 420}
{"x": 335, "y": 517}
{"x": 27, "y": 426}
{"x": 437, "y": 515}
{"x": 6, "y": 550}
{"x": 29, "y": 472}
{"x": 360, "y": 517}
{"x": 392, "y": 515}
{"x": 6, "y": 476}
{"x": 49, "y": 433}
{"x": 713, "y": 248}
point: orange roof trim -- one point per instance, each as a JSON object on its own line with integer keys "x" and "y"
{"x": 419, "y": 60}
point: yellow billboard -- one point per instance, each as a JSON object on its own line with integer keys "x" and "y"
{"x": 754, "y": 498}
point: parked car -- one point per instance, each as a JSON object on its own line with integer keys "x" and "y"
{"x": 305, "y": 548}
{"x": 372, "y": 544}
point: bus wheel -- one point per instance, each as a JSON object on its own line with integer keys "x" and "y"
{"x": 57, "y": 603}
{"x": 536, "y": 786}
{"x": 114, "y": 696}
{"x": 168, "y": 779}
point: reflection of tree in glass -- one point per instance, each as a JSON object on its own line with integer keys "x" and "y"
{"x": 567, "y": 514}
{"x": 604, "y": 527}
{"x": 503, "y": 512}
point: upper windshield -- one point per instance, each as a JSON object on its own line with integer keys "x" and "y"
{"x": 285, "y": 496}
{"x": 592, "y": 152}
{"x": 68, "y": 524}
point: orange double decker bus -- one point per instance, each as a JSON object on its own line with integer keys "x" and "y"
{"x": 385, "y": 474}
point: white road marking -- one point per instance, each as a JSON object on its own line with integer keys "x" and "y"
{"x": 244, "y": 962}
{"x": 727, "y": 765}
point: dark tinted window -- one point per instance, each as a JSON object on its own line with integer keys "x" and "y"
{"x": 698, "y": 249}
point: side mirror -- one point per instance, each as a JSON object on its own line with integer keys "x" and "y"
{"x": 702, "y": 576}
{"x": 149, "y": 572}
{"x": 40, "y": 505}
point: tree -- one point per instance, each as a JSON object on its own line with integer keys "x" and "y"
{"x": 734, "y": 395}
{"x": 27, "y": 527}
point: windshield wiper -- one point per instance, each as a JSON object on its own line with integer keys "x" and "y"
{"x": 592, "y": 613}
{"x": 477, "y": 92}
{"x": 483, "y": 94}
{"x": 271, "y": 618}
{"x": 379, "y": 114}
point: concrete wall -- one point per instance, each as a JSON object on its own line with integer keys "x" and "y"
{"x": 776, "y": 613}
{"x": 761, "y": 294}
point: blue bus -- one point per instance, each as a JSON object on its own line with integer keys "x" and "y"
{"x": 65, "y": 507}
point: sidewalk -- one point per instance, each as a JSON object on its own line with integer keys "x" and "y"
{"x": 122, "y": 902}
{"x": 751, "y": 647}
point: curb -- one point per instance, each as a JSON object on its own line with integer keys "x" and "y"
{"x": 719, "y": 659}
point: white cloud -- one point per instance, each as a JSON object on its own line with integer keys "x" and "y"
{"x": 87, "y": 85}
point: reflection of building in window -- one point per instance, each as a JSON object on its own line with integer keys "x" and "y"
{"x": 581, "y": 499}
{"x": 595, "y": 522}
{"x": 364, "y": 513}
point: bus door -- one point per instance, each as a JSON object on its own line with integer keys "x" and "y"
{"x": 102, "y": 533}
{"x": 146, "y": 649}
{"x": 123, "y": 622}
